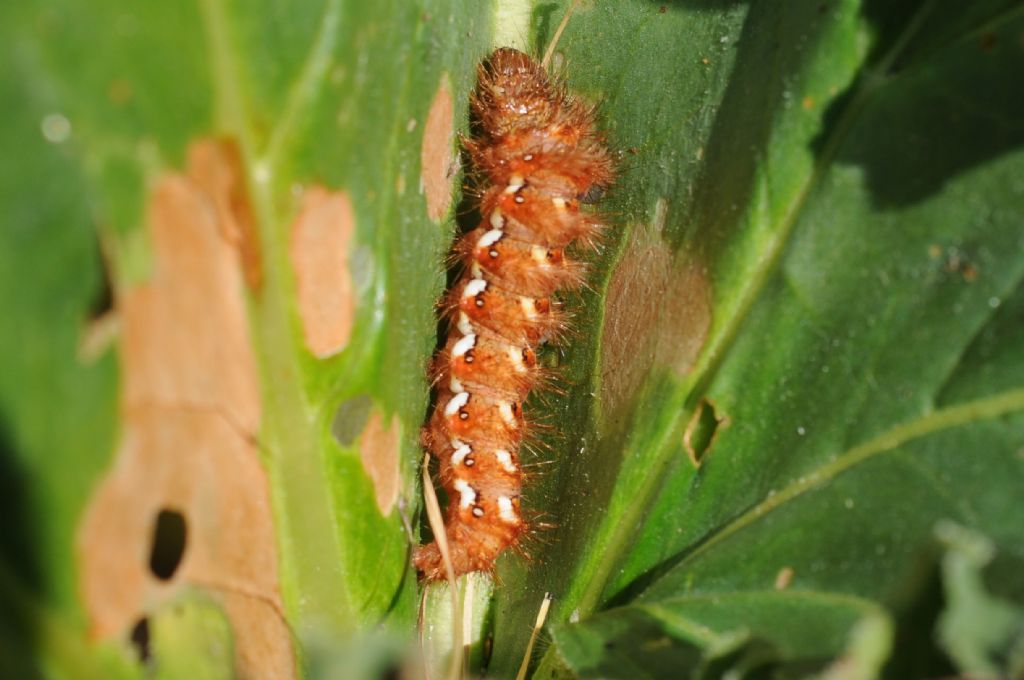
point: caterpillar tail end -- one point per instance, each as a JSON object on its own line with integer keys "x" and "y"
{"x": 428, "y": 561}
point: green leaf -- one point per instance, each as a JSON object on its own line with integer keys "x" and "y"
{"x": 106, "y": 100}
{"x": 858, "y": 213}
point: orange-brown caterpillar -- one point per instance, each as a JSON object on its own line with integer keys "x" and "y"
{"x": 538, "y": 155}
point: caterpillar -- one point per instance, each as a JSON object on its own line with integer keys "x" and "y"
{"x": 538, "y": 156}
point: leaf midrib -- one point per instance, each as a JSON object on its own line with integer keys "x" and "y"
{"x": 313, "y": 587}
{"x": 304, "y": 89}
{"x": 660, "y": 609}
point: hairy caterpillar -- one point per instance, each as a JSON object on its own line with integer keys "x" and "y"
{"x": 538, "y": 156}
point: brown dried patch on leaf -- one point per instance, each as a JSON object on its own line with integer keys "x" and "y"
{"x": 437, "y": 153}
{"x": 185, "y": 339}
{"x": 784, "y": 578}
{"x": 378, "y": 450}
{"x": 657, "y": 312}
{"x": 320, "y": 243}
{"x": 636, "y": 296}
{"x": 101, "y": 328}
{"x": 216, "y": 165}
{"x": 190, "y": 414}
{"x": 200, "y": 465}
{"x": 685, "y": 317}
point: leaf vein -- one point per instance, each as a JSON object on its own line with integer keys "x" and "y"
{"x": 304, "y": 90}
{"x": 963, "y": 414}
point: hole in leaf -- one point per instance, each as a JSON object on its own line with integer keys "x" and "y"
{"x": 168, "y": 544}
{"x": 99, "y": 328}
{"x": 392, "y": 672}
{"x": 103, "y": 299}
{"x": 486, "y": 651}
{"x": 701, "y": 431}
{"x": 140, "y": 639}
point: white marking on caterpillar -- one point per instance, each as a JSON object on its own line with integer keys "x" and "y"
{"x": 497, "y": 219}
{"x": 559, "y": 203}
{"x": 467, "y": 496}
{"x": 456, "y": 403}
{"x": 539, "y": 254}
{"x": 507, "y": 414}
{"x": 460, "y": 453}
{"x": 506, "y": 511}
{"x": 505, "y": 460}
{"x": 474, "y": 288}
{"x": 529, "y": 307}
{"x": 465, "y": 343}
{"x": 455, "y": 385}
{"x": 516, "y": 355}
{"x": 464, "y": 325}
{"x": 490, "y": 238}
{"x": 515, "y": 183}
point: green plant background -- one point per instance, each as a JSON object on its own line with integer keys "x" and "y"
{"x": 847, "y": 176}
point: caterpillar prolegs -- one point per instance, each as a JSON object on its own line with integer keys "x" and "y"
{"x": 538, "y": 156}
